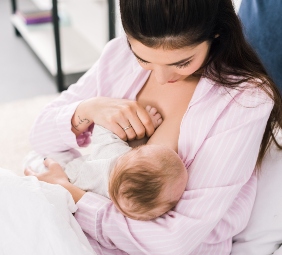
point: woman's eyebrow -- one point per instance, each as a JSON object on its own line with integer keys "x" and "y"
{"x": 172, "y": 64}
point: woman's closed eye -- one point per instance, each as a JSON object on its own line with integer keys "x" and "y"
{"x": 183, "y": 65}
{"x": 141, "y": 61}
{"x": 177, "y": 66}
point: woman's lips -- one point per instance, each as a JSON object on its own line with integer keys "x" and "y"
{"x": 172, "y": 81}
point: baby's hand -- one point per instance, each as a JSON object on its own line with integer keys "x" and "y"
{"x": 154, "y": 115}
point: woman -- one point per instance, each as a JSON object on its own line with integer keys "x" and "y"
{"x": 219, "y": 109}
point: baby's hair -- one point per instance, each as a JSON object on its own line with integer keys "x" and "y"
{"x": 140, "y": 175}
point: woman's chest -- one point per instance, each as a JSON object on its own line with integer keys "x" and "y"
{"x": 171, "y": 100}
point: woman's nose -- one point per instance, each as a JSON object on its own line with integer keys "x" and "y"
{"x": 162, "y": 75}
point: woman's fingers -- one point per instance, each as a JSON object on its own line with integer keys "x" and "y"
{"x": 126, "y": 118}
{"x": 48, "y": 162}
{"x": 128, "y": 130}
{"x": 29, "y": 172}
{"x": 132, "y": 127}
{"x": 136, "y": 122}
{"x": 51, "y": 164}
{"x": 137, "y": 128}
{"x": 146, "y": 121}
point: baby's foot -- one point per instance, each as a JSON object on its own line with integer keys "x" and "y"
{"x": 155, "y": 116}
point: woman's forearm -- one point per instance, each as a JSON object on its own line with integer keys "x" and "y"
{"x": 81, "y": 119}
{"x": 76, "y": 192}
{"x": 56, "y": 175}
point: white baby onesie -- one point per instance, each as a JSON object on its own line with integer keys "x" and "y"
{"x": 89, "y": 172}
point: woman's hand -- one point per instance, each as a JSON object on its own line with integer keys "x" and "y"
{"x": 56, "y": 175}
{"x": 126, "y": 118}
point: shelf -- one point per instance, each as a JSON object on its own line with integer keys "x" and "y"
{"x": 78, "y": 54}
{"x": 47, "y": 4}
{"x": 70, "y": 47}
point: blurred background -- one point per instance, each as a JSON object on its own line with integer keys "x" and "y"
{"x": 28, "y": 61}
{"x": 27, "y": 44}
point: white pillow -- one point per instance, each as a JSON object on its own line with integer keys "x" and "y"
{"x": 263, "y": 234}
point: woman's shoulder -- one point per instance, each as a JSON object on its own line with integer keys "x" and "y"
{"x": 247, "y": 93}
{"x": 116, "y": 44}
{"x": 116, "y": 69}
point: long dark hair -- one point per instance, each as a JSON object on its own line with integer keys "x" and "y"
{"x": 179, "y": 23}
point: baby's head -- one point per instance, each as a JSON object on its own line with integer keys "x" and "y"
{"x": 147, "y": 181}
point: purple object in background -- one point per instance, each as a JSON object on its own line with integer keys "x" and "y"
{"x": 35, "y": 17}
{"x": 38, "y": 20}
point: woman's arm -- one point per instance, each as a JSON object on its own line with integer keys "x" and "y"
{"x": 113, "y": 114}
{"x": 51, "y": 131}
{"x": 216, "y": 204}
{"x": 95, "y": 98}
{"x": 56, "y": 175}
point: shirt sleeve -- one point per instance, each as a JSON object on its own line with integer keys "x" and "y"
{"x": 221, "y": 169}
{"x": 51, "y": 131}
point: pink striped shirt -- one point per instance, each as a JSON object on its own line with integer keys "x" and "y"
{"x": 220, "y": 136}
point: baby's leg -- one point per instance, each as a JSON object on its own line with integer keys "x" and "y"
{"x": 155, "y": 115}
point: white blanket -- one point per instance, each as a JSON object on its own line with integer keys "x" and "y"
{"x": 36, "y": 219}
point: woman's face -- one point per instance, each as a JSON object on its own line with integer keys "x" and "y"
{"x": 170, "y": 66}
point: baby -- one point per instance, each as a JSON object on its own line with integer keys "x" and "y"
{"x": 143, "y": 182}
